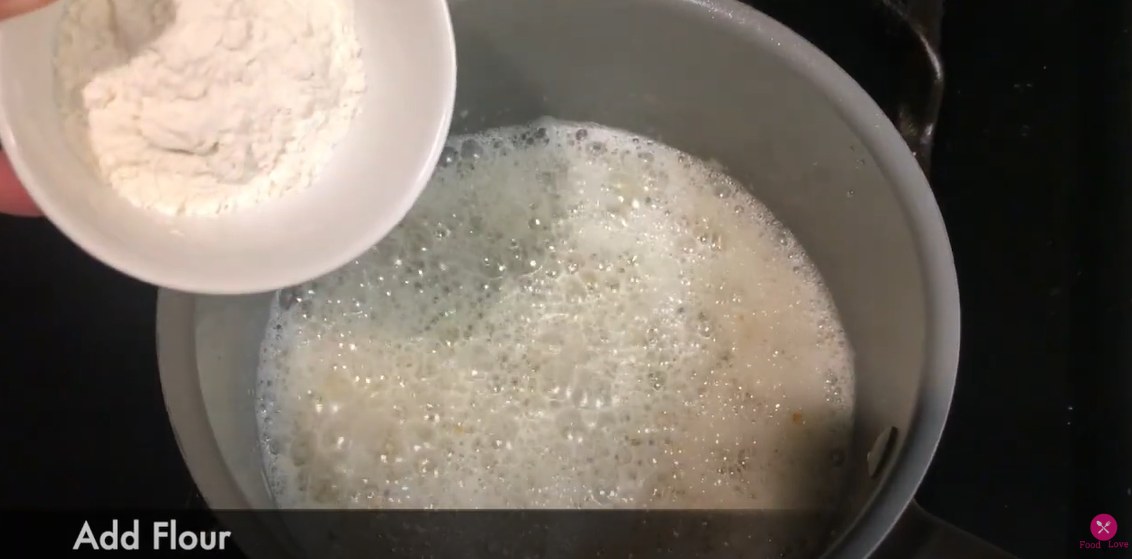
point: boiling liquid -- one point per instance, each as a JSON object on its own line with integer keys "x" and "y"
{"x": 569, "y": 317}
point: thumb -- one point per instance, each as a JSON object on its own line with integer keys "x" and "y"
{"x": 13, "y": 8}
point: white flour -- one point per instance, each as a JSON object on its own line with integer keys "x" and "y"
{"x": 204, "y": 106}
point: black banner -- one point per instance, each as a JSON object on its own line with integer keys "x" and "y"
{"x": 424, "y": 535}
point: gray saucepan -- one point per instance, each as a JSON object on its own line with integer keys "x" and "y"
{"x": 724, "y": 82}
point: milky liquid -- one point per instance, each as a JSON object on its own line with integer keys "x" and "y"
{"x": 569, "y": 317}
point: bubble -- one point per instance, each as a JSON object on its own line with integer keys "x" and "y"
{"x": 448, "y": 156}
{"x": 471, "y": 149}
{"x": 288, "y": 297}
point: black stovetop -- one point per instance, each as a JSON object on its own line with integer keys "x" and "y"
{"x": 1032, "y": 170}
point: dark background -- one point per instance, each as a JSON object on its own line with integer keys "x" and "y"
{"x": 1032, "y": 170}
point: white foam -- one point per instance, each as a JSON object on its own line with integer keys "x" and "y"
{"x": 570, "y": 316}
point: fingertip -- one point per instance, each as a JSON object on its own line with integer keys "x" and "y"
{"x": 12, "y": 8}
{"x": 14, "y": 200}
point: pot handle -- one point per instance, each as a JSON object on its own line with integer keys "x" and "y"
{"x": 922, "y": 75}
{"x": 920, "y": 535}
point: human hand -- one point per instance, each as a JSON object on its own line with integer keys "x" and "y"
{"x": 14, "y": 200}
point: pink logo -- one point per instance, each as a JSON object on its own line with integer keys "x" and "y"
{"x": 1103, "y": 527}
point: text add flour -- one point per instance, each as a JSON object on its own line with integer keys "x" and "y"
{"x": 163, "y": 535}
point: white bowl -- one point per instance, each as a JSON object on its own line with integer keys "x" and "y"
{"x": 374, "y": 177}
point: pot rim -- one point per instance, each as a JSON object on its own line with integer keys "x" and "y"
{"x": 894, "y": 160}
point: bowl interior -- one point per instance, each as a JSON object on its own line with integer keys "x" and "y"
{"x": 372, "y": 179}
